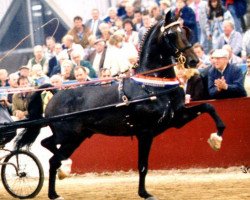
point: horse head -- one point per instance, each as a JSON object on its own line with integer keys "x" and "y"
{"x": 176, "y": 38}
{"x": 165, "y": 43}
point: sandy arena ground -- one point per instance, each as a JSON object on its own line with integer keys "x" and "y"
{"x": 200, "y": 184}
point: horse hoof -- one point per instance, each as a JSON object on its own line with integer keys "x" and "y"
{"x": 215, "y": 141}
{"x": 151, "y": 198}
{"x": 62, "y": 174}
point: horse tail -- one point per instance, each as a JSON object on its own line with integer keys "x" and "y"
{"x": 35, "y": 112}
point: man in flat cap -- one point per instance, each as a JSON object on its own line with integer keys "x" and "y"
{"x": 225, "y": 80}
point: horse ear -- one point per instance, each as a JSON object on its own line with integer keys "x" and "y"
{"x": 169, "y": 18}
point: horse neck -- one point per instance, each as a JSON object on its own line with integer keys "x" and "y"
{"x": 153, "y": 56}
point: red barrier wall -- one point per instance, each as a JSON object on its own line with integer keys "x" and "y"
{"x": 175, "y": 148}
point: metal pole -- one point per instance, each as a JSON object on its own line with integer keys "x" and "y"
{"x": 31, "y": 28}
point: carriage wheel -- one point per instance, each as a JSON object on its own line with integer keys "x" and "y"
{"x": 22, "y": 175}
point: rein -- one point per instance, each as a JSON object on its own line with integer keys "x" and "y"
{"x": 73, "y": 85}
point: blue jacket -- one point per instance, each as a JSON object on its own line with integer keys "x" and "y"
{"x": 234, "y": 78}
{"x": 188, "y": 16}
{"x": 240, "y": 7}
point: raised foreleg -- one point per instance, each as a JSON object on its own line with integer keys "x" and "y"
{"x": 186, "y": 114}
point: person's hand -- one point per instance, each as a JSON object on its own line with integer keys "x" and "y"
{"x": 4, "y": 101}
{"x": 221, "y": 84}
{"x": 20, "y": 114}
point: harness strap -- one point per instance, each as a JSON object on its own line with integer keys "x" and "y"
{"x": 121, "y": 92}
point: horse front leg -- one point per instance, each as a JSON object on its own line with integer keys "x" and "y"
{"x": 186, "y": 114}
{"x": 144, "y": 146}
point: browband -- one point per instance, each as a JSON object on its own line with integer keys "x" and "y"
{"x": 163, "y": 28}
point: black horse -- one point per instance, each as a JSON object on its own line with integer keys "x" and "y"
{"x": 142, "y": 106}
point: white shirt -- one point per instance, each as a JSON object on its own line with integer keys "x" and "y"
{"x": 96, "y": 62}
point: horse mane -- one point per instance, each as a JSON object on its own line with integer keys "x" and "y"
{"x": 144, "y": 39}
{"x": 146, "y": 35}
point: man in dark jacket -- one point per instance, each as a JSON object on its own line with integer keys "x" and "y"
{"x": 188, "y": 16}
{"x": 225, "y": 80}
{"x": 237, "y": 8}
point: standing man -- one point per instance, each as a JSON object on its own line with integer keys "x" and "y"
{"x": 225, "y": 80}
{"x": 94, "y": 22}
{"x": 80, "y": 32}
{"x": 200, "y": 9}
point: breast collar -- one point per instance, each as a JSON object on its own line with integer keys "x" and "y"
{"x": 155, "y": 81}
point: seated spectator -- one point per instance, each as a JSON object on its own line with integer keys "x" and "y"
{"x": 50, "y": 43}
{"x": 69, "y": 45}
{"x": 97, "y": 57}
{"x": 105, "y": 74}
{"x": 204, "y": 59}
{"x": 224, "y": 80}
{"x": 54, "y": 61}
{"x": 56, "y": 80}
{"x": 129, "y": 11}
{"x": 13, "y": 84}
{"x": 147, "y": 23}
{"x": 248, "y": 63}
{"x": 131, "y": 36}
{"x": 81, "y": 74}
{"x": 155, "y": 12}
{"x": 245, "y": 45}
{"x": 39, "y": 58}
{"x": 105, "y": 30}
{"x": 4, "y": 78}
{"x": 128, "y": 50}
{"x": 77, "y": 59}
{"x": 24, "y": 70}
{"x": 115, "y": 59}
{"x": 137, "y": 21}
{"x": 233, "y": 59}
{"x": 231, "y": 37}
{"x": 112, "y": 16}
{"x": 63, "y": 55}
{"x": 67, "y": 70}
{"x": 20, "y": 100}
{"x": 4, "y": 84}
{"x": 192, "y": 84}
{"x": 165, "y": 6}
{"x": 38, "y": 77}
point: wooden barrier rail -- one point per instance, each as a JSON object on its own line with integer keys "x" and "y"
{"x": 175, "y": 148}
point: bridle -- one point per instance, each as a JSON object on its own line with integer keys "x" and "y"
{"x": 178, "y": 51}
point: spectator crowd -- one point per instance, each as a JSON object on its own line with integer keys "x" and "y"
{"x": 102, "y": 47}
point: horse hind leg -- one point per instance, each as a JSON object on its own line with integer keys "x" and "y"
{"x": 49, "y": 143}
{"x": 64, "y": 152}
